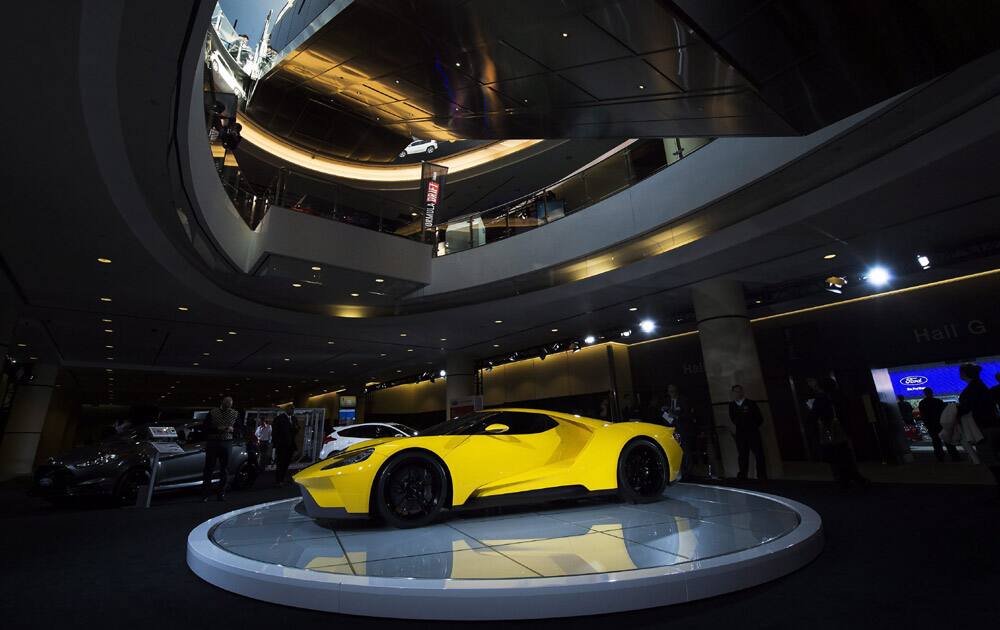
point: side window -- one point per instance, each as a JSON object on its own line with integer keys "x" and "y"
{"x": 352, "y": 432}
{"x": 367, "y": 432}
{"x": 384, "y": 432}
{"x": 524, "y": 423}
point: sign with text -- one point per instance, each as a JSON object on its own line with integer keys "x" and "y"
{"x": 432, "y": 178}
{"x": 943, "y": 379}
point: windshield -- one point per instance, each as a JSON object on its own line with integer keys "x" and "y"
{"x": 463, "y": 425}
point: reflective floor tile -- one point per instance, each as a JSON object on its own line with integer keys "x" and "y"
{"x": 270, "y": 533}
{"x": 692, "y": 539}
{"x": 398, "y": 543}
{"x": 281, "y": 513}
{"x": 589, "y": 553}
{"x": 765, "y": 524}
{"x": 306, "y": 554}
{"x": 518, "y": 529}
{"x": 466, "y": 564}
{"x": 613, "y": 516}
{"x": 689, "y": 508}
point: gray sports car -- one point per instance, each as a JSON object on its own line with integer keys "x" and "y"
{"x": 116, "y": 467}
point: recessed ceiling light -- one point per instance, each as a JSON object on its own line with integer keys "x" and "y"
{"x": 330, "y": 343}
{"x": 22, "y": 345}
{"x": 399, "y": 371}
{"x": 402, "y": 334}
{"x": 205, "y": 354}
{"x": 496, "y": 345}
{"x": 110, "y": 347}
{"x": 829, "y": 257}
{"x": 32, "y": 358}
{"x": 105, "y": 299}
{"x": 565, "y": 34}
{"x": 108, "y": 330}
{"x": 106, "y": 321}
{"x": 444, "y": 339}
{"x": 633, "y": 309}
{"x": 182, "y": 308}
{"x": 105, "y": 261}
{"x": 314, "y": 268}
{"x": 381, "y": 354}
{"x": 331, "y": 372}
{"x": 108, "y": 370}
{"x": 458, "y": 65}
{"x": 409, "y": 349}
{"x": 269, "y": 369}
{"x": 195, "y": 363}
{"x": 232, "y": 332}
{"x": 296, "y": 284}
{"x": 380, "y": 280}
{"x": 555, "y": 330}
{"x": 110, "y": 358}
{"x": 287, "y": 359}
{"x": 497, "y": 321}
{"x": 642, "y": 87}
{"x": 219, "y": 340}
{"x": 355, "y": 294}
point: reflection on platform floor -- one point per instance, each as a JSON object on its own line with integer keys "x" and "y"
{"x": 690, "y": 523}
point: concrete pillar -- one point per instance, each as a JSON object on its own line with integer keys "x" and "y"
{"x": 461, "y": 383}
{"x": 730, "y": 356}
{"x": 27, "y": 419}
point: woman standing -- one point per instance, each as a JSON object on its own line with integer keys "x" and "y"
{"x": 977, "y": 400}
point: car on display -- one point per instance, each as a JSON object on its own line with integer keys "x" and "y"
{"x": 419, "y": 146}
{"x": 489, "y": 458}
{"x": 345, "y": 437}
{"x": 117, "y": 466}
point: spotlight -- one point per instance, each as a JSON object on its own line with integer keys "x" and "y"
{"x": 555, "y": 347}
{"x": 626, "y": 333}
{"x": 575, "y": 347}
{"x": 924, "y": 261}
{"x": 489, "y": 366}
{"x": 647, "y": 326}
{"x": 442, "y": 374}
{"x": 878, "y": 276}
{"x": 589, "y": 339}
{"x": 512, "y": 357}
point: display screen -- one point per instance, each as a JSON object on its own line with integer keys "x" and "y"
{"x": 346, "y": 416}
{"x": 348, "y": 402}
{"x": 943, "y": 379}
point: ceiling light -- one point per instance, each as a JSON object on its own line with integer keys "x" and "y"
{"x": 633, "y": 309}
{"x": 110, "y": 358}
{"x": 642, "y": 87}
{"x": 110, "y": 347}
{"x": 409, "y": 349}
{"x": 108, "y": 330}
{"x": 232, "y": 332}
{"x": 444, "y": 339}
{"x": 219, "y": 340}
{"x": 33, "y": 358}
{"x": 402, "y": 334}
{"x": 589, "y": 339}
{"x": 355, "y": 294}
{"x": 442, "y": 373}
{"x": 496, "y": 345}
{"x": 829, "y": 257}
{"x": 106, "y": 321}
{"x": 835, "y": 284}
{"x": 497, "y": 321}
{"x": 22, "y": 345}
{"x": 182, "y": 308}
{"x": 297, "y": 285}
{"x": 314, "y": 268}
{"x": 878, "y": 276}
{"x": 626, "y": 333}
{"x": 380, "y": 280}
{"x": 575, "y": 347}
{"x": 647, "y": 326}
{"x": 106, "y": 261}
{"x": 287, "y": 359}
{"x": 924, "y": 261}
{"x": 458, "y": 65}
{"x": 205, "y": 354}
{"x": 565, "y": 34}
{"x": 105, "y": 299}
{"x": 757, "y": 301}
{"x": 381, "y": 354}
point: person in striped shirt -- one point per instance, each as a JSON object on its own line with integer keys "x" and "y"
{"x": 218, "y": 442}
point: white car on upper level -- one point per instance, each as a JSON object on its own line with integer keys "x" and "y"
{"x": 342, "y": 437}
{"x": 419, "y": 146}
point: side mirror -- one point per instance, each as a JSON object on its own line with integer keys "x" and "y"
{"x": 497, "y": 428}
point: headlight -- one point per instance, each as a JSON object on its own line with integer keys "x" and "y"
{"x": 350, "y": 458}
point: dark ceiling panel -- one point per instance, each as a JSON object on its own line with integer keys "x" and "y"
{"x": 621, "y": 78}
{"x": 696, "y": 67}
{"x": 585, "y": 43}
{"x": 644, "y": 25}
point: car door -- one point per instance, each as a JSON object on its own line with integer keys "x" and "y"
{"x": 492, "y": 464}
{"x": 186, "y": 467}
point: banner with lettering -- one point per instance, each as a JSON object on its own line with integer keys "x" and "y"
{"x": 432, "y": 178}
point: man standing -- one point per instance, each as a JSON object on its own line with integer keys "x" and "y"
{"x": 218, "y": 442}
{"x": 283, "y": 441}
{"x": 678, "y": 413}
{"x": 905, "y": 410}
{"x": 746, "y": 417}
{"x": 930, "y": 412}
{"x": 263, "y": 434}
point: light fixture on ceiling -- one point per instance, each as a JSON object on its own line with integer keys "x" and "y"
{"x": 108, "y": 330}
{"x": 219, "y": 340}
{"x": 554, "y": 330}
{"x": 297, "y": 285}
{"x": 575, "y": 346}
{"x": 458, "y": 64}
{"x": 205, "y": 354}
{"x": 355, "y": 294}
{"x": 105, "y": 299}
{"x": 444, "y": 339}
{"x": 633, "y": 309}
{"x": 830, "y": 256}
{"x": 442, "y": 373}
{"x": 589, "y": 339}
{"x": 565, "y": 34}
{"x": 104, "y": 261}
{"x": 110, "y": 347}
{"x": 923, "y": 261}
{"x": 647, "y": 326}
{"x": 409, "y": 349}
{"x": 287, "y": 359}
{"x": 315, "y": 268}
{"x": 380, "y": 280}
{"x": 642, "y": 87}
{"x": 496, "y": 345}
{"x": 22, "y": 345}
{"x": 183, "y": 308}
{"x": 878, "y": 276}
{"x": 106, "y": 320}
{"x": 497, "y": 321}
{"x": 402, "y": 334}
{"x": 232, "y": 332}
{"x": 836, "y": 284}
{"x": 626, "y": 333}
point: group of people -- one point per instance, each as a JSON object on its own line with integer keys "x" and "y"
{"x": 220, "y": 427}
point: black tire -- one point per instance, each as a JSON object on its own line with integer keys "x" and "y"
{"x": 410, "y": 491}
{"x": 642, "y": 472}
{"x": 245, "y": 476}
{"x": 127, "y": 488}
{"x": 430, "y": 150}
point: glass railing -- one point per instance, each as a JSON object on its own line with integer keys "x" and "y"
{"x": 571, "y": 194}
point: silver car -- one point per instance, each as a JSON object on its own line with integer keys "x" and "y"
{"x": 116, "y": 467}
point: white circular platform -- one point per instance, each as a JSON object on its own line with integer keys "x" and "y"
{"x": 592, "y": 558}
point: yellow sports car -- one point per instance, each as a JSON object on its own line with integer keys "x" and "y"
{"x": 486, "y": 458}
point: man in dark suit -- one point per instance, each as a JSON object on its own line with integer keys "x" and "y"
{"x": 930, "y": 413}
{"x": 746, "y": 417}
{"x": 283, "y": 441}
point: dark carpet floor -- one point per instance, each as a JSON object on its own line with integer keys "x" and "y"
{"x": 897, "y": 556}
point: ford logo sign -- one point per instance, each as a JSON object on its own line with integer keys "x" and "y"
{"x": 913, "y": 380}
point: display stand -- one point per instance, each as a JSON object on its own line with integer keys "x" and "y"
{"x": 164, "y": 442}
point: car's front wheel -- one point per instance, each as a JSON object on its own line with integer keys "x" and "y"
{"x": 402, "y": 154}
{"x": 642, "y": 472}
{"x": 127, "y": 488}
{"x": 430, "y": 149}
{"x": 410, "y": 491}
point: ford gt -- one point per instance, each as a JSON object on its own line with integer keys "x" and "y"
{"x": 488, "y": 458}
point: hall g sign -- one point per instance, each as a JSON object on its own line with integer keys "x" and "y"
{"x": 949, "y": 331}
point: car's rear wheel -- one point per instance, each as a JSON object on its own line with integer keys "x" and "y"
{"x": 127, "y": 489}
{"x": 430, "y": 149}
{"x": 642, "y": 472}
{"x": 411, "y": 490}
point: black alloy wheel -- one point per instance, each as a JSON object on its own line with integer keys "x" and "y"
{"x": 127, "y": 490}
{"x": 411, "y": 491}
{"x": 642, "y": 472}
